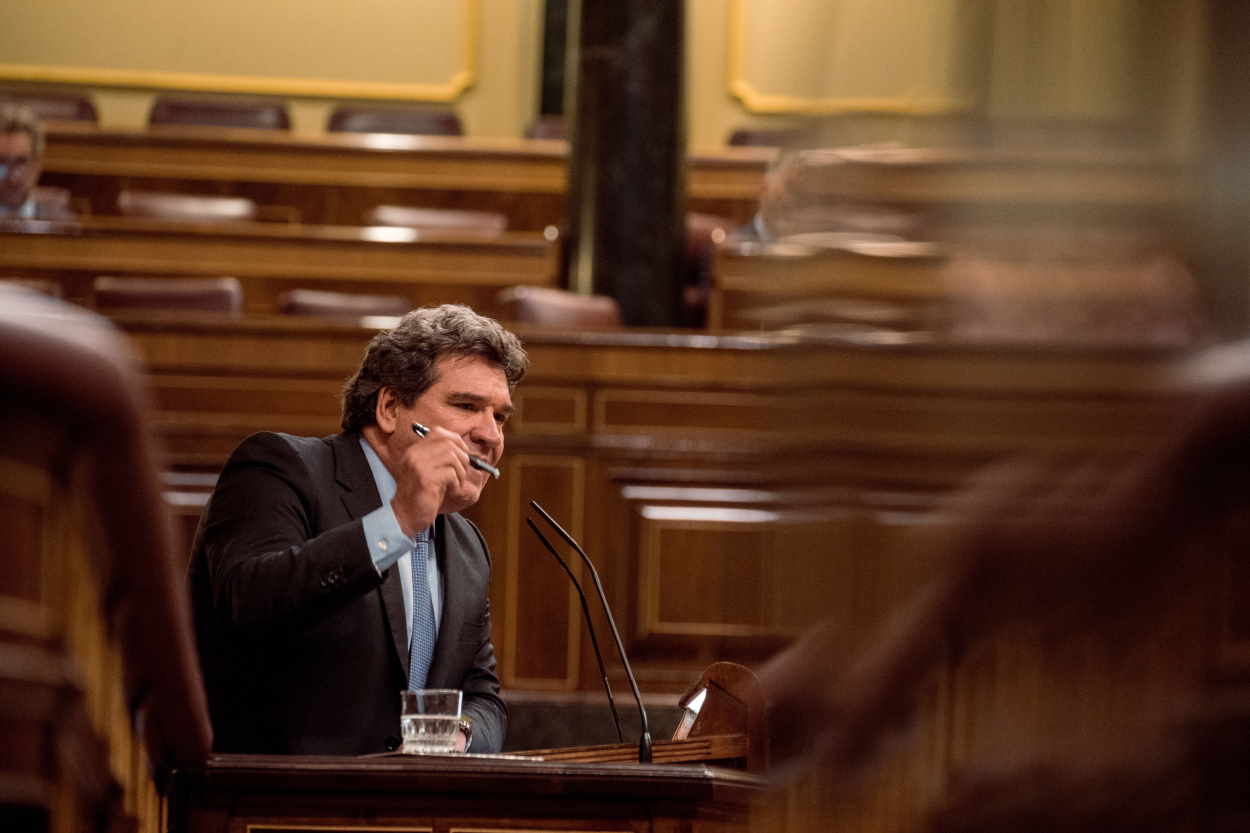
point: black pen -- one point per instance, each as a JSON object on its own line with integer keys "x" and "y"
{"x": 476, "y": 462}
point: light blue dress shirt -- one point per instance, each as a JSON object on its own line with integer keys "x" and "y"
{"x": 388, "y": 545}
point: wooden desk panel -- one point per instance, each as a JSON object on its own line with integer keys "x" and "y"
{"x": 268, "y": 259}
{"x": 332, "y": 179}
{"x": 758, "y": 286}
{"x": 747, "y": 453}
{"x": 457, "y": 794}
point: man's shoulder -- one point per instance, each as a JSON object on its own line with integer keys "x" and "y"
{"x": 277, "y": 448}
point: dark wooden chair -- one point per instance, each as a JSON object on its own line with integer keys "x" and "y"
{"x": 54, "y": 105}
{"x": 549, "y": 307}
{"x": 322, "y": 304}
{"x": 426, "y": 121}
{"x": 218, "y": 296}
{"x": 484, "y": 223}
{"x": 168, "y": 206}
{"x": 266, "y": 114}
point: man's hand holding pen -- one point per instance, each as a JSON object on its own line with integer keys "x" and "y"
{"x": 434, "y": 476}
{"x": 474, "y": 461}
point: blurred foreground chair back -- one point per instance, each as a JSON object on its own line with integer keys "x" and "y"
{"x": 484, "y": 223}
{"x": 266, "y": 114}
{"x": 161, "y": 205}
{"x": 549, "y": 307}
{"x": 101, "y": 688}
{"x": 426, "y": 121}
{"x": 220, "y": 296}
{"x": 54, "y": 105}
{"x": 322, "y": 304}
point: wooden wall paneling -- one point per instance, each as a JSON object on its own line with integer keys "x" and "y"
{"x": 538, "y": 622}
{"x": 546, "y": 409}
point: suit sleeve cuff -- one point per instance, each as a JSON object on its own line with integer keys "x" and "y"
{"x": 385, "y": 540}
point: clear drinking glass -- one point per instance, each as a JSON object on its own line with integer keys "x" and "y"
{"x": 429, "y": 720}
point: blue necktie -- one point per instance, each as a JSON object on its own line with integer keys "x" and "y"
{"x": 421, "y": 643}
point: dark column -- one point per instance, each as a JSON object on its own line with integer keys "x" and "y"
{"x": 627, "y": 168}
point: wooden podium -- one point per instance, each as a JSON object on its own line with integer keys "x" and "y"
{"x": 454, "y": 794}
{"x": 593, "y": 788}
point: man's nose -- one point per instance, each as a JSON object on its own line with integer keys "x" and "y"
{"x": 487, "y": 431}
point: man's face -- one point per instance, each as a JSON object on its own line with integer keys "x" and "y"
{"x": 469, "y": 398}
{"x": 19, "y": 168}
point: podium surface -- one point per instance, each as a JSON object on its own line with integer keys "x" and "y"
{"x": 454, "y": 794}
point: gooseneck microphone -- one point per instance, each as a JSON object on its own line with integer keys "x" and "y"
{"x": 590, "y": 625}
{"x": 644, "y": 742}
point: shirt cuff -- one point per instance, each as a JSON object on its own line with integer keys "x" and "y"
{"x": 385, "y": 540}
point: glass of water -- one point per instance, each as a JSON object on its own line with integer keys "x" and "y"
{"x": 429, "y": 720}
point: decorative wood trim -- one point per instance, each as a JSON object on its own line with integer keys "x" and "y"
{"x": 448, "y": 91}
{"x": 578, "y": 398}
{"x": 512, "y": 577}
{"x": 651, "y": 586}
{"x": 755, "y": 101}
{"x": 343, "y": 827}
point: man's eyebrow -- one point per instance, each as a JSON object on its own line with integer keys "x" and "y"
{"x": 477, "y": 399}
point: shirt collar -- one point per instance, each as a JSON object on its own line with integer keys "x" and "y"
{"x": 382, "y": 477}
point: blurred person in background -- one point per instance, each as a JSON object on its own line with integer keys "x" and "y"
{"x": 21, "y": 161}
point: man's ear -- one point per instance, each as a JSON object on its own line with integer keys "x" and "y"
{"x": 386, "y": 411}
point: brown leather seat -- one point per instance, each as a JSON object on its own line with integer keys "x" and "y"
{"x": 558, "y": 308}
{"x": 704, "y": 232}
{"x": 54, "y": 105}
{"x": 547, "y": 127}
{"x": 212, "y": 295}
{"x": 322, "y": 304}
{"x": 426, "y": 121}
{"x": 485, "y": 223}
{"x": 262, "y": 113}
{"x": 763, "y": 137}
{"x": 167, "y": 206}
{"x": 52, "y": 203}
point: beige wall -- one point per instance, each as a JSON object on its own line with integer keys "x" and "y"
{"x": 479, "y": 56}
{"x": 765, "y": 63}
{"x": 772, "y": 63}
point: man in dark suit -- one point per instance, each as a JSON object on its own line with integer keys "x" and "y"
{"x": 329, "y": 574}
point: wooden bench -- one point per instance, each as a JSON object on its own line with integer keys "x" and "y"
{"x": 336, "y": 179}
{"x": 269, "y": 259}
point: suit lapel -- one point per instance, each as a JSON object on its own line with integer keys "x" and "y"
{"x": 451, "y": 567}
{"x": 360, "y": 497}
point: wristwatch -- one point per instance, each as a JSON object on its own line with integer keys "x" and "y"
{"x": 465, "y": 724}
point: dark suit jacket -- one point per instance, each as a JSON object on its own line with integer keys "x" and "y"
{"x": 303, "y": 646}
